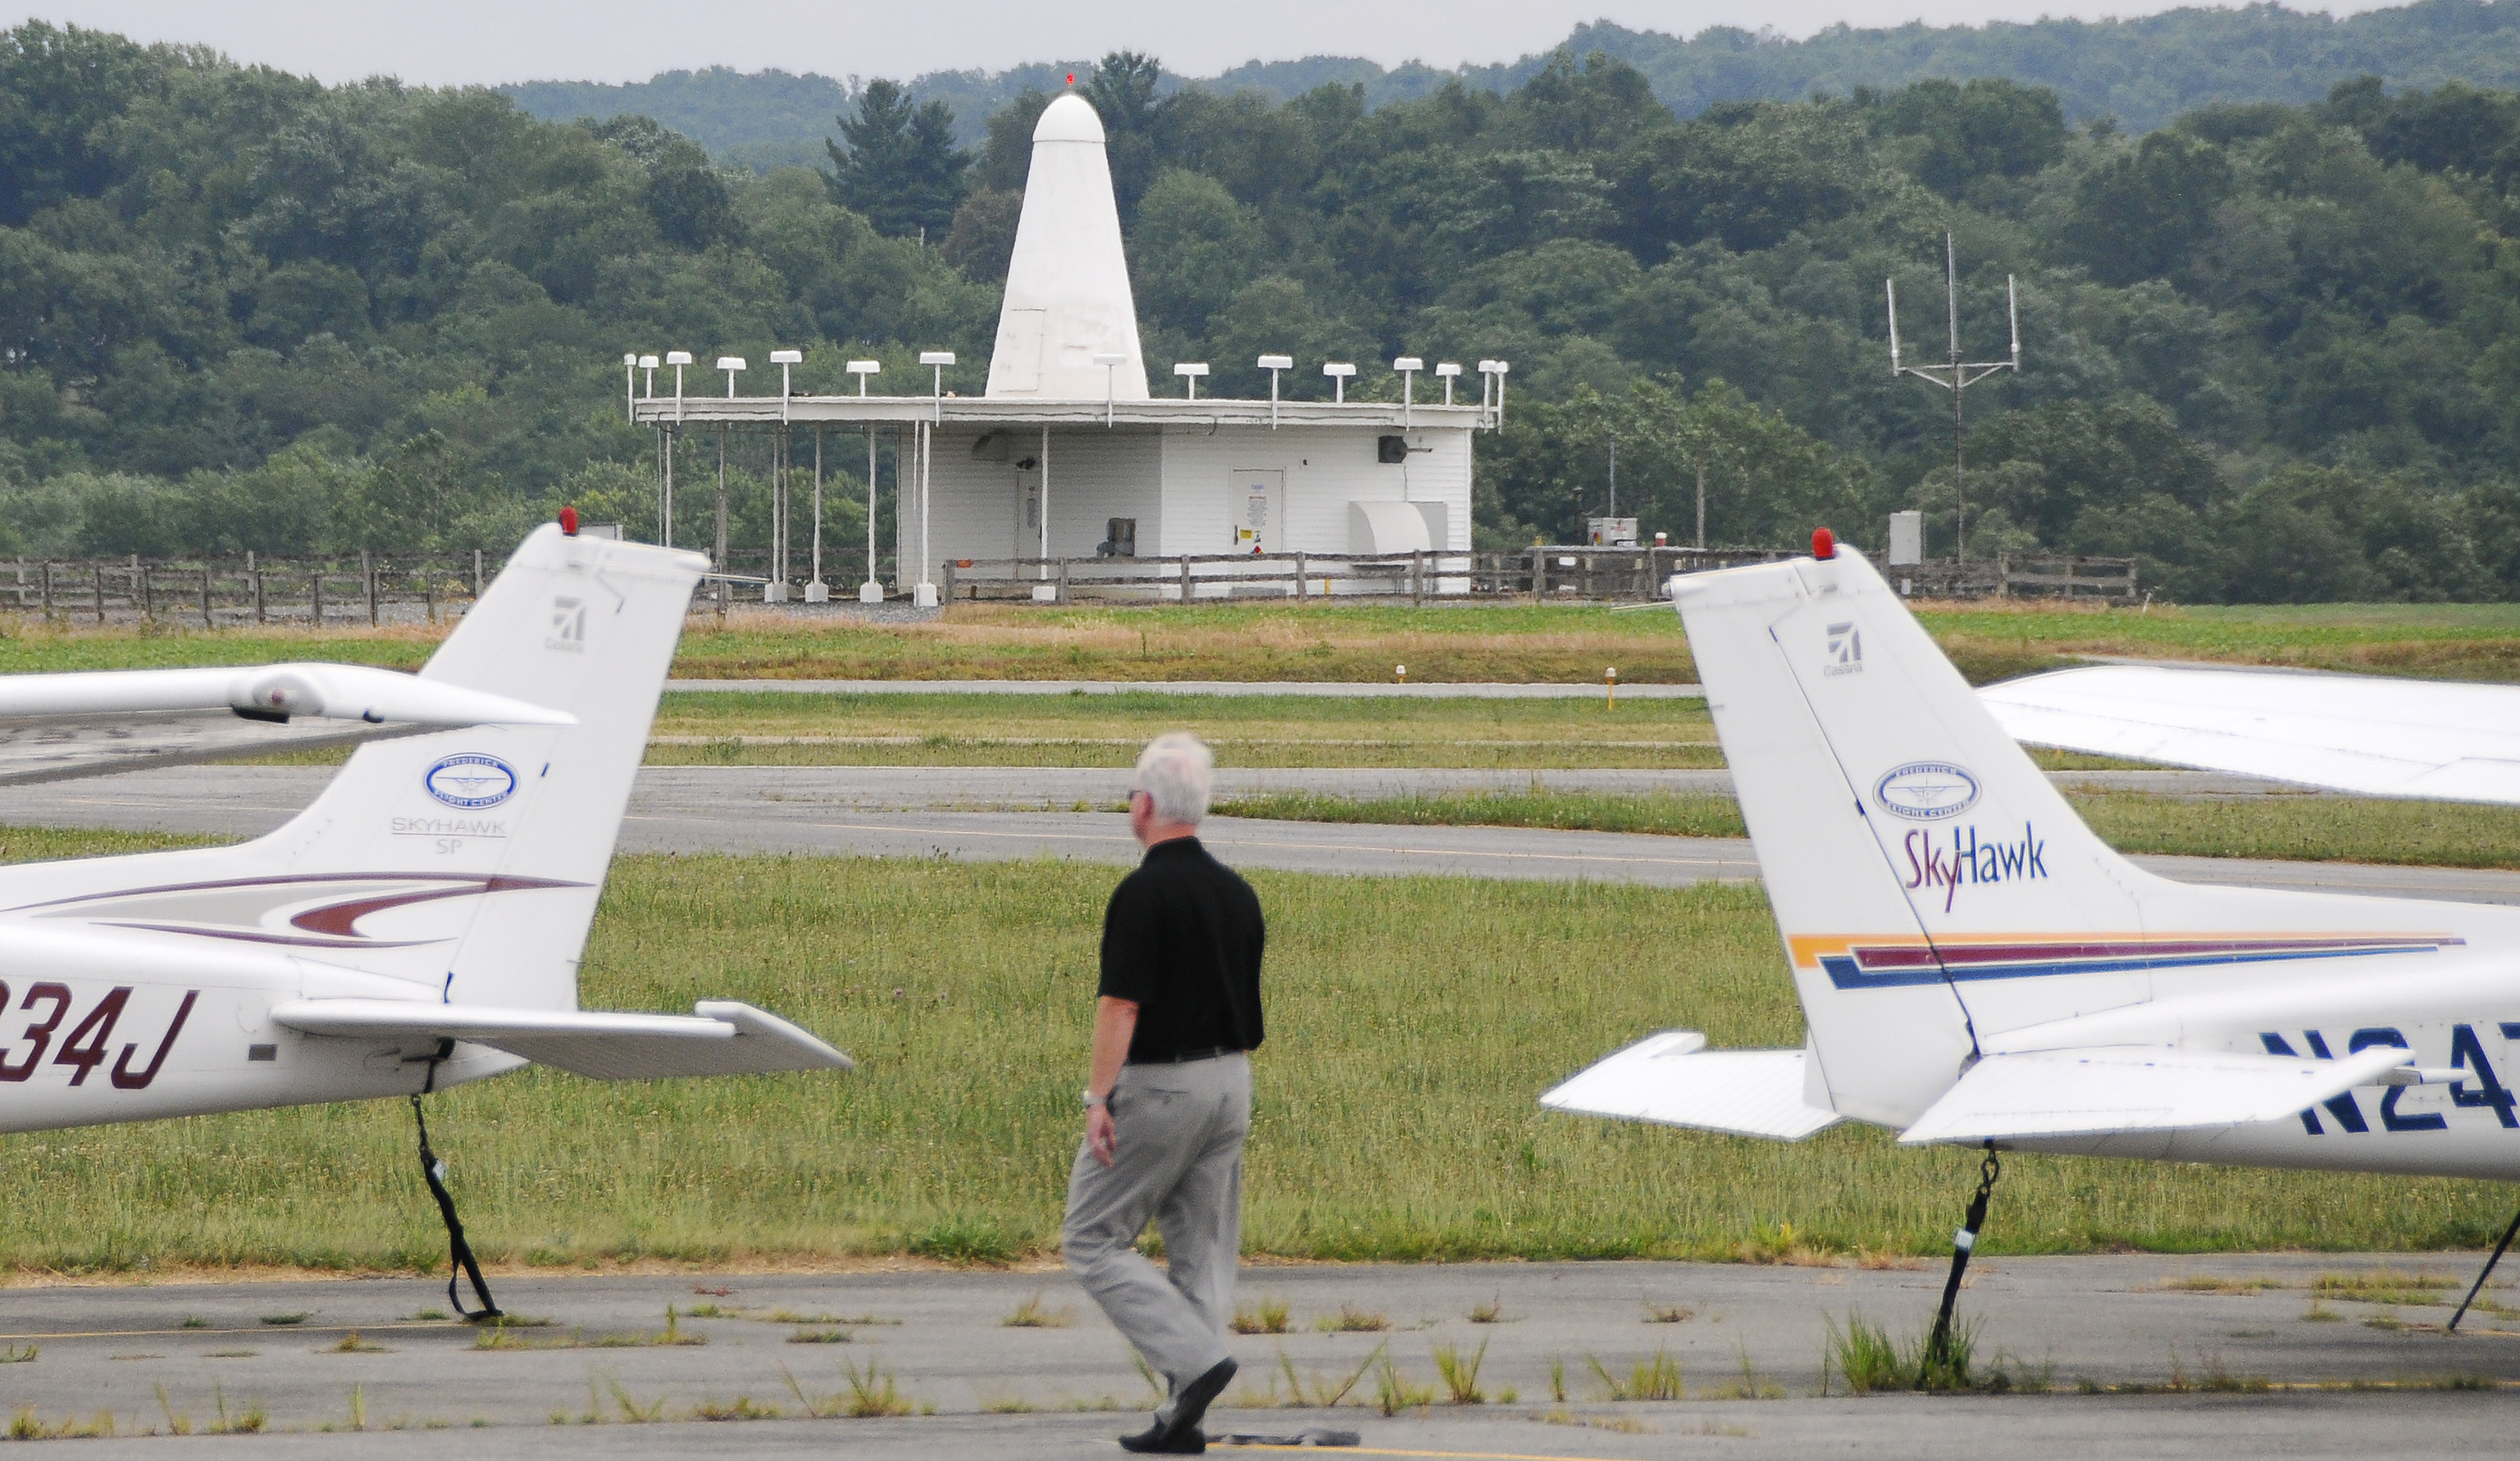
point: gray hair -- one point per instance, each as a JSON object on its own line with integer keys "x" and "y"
{"x": 1178, "y": 772}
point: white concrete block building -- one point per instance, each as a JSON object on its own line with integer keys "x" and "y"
{"x": 1070, "y": 455}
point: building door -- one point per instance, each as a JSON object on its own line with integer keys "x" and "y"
{"x": 1027, "y": 527}
{"x": 1257, "y": 506}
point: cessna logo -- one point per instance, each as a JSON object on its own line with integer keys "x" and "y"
{"x": 567, "y": 625}
{"x": 1845, "y": 650}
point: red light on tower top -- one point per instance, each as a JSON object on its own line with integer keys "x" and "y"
{"x": 569, "y": 522}
{"x": 1823, "y": 544}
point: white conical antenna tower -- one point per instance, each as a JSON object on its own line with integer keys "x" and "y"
{"x": 1067, "y": 305}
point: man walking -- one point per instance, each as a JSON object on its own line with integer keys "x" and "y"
{"x": 1169, "y": 1100}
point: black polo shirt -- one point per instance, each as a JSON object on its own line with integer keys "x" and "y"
{"x": 1181, "y": 941}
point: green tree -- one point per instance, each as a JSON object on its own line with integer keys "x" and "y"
{"x": 900, "y": 167}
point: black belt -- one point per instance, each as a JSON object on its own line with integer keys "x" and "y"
{"x": 1185, "y": 1057}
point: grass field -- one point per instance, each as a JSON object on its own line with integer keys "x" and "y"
{"x": 2301, "y": 829}
{"x": 895, "y": 729}
{"x": 1412, "y": 1023}
{"x": 1318, "y": 642}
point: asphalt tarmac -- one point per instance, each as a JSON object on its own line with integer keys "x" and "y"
{"x": 900, "y": 812}
{"x": 2245, "y": 1368}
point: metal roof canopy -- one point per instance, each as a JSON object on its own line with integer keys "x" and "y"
{"x": 982, "y": 411}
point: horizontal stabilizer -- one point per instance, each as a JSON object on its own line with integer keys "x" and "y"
{"x": 59, "y": 727}
{"x": 719, "y": 1037}
{"x": 1672, "y": 1079}
{"x": 2130, "y": 1089}
{"x": 2349, "y": 733}
{"x": 339, "y": 692}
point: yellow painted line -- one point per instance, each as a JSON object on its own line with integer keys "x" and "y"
{"x": 1366, "y": 1450}
{"x": 264, "y": 1329}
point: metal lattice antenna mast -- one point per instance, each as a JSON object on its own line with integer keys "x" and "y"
{"x": 1958, "y": 375}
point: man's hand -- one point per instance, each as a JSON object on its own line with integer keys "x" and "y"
{"x": 1114, "y": 1022}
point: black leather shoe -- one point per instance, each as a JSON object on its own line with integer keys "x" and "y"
{"x": 1166, "y": 1441}
{"x": 1190, "y": 1407}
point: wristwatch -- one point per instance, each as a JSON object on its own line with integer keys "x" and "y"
{"x": 1092, "y": 1100}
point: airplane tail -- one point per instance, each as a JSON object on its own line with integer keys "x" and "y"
{"x": 468, "y": 862}
{"x": 1941, "y": 903}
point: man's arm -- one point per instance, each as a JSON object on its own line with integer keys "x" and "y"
{"x": 1116, "y": 1021}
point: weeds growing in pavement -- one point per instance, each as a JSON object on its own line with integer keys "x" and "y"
{"x": 873, "y": 1391}
{"x": 1863, "y": 1356}
{"x": 247, "y": 1422}
{"x": 1654, "y": 1377}
{"x": 1461, "y": 1376}
{"x": 1267, "y": 1316}
{"x": 176, "y": 1425}
{"x": 1033, "y": 1314}
{"x": 1395, "y": 1392}
{"x": 1752, "y": 1386}
{"x": 1321, "y": 1394}
{"x": 1351, "y": 1320}
{"x": 1490, "y": 1313}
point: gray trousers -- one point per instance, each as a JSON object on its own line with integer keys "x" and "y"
{"x": 1179, "y": 1163}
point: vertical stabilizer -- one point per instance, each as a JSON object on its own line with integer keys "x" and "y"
{"x": 526, "y": 814}
{"x": 1068, "y": 296}
{"x": 464, "y": 864}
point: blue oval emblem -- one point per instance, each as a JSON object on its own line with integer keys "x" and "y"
{"x": 471, "y": 781}
{"x": 1927, "y": 790}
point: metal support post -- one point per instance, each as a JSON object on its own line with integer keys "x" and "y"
{"x": 1186, "y": 588}
{"x": 871, "y": 591}
{"x": 315, "y": 580}
{"x": 100, "y": 593}
{"x": 368, "y": 573}
{"x": 818, "y": 592}
{"x": 205, "y": 596}
{"x": 717, "y": 557}
{"x": 253, "y": 571}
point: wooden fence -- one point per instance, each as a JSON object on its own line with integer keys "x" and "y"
{"x": 2022, "y": 576}
{"x": 1538, "y": 575}
{"x": 363, "y": 589}
{"x": 374, "y": 589}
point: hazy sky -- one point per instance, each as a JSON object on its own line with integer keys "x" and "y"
{"x": 454, "y": 41}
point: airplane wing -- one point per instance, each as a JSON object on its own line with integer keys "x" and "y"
{"x": 718, "y": 1038}
{"x": 2126, "y": 1088}
{"x": 1673, "y": 1080}
{"x": 2439, "y": 739}
{"x": 96, "y": 723}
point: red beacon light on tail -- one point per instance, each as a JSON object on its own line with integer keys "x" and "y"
{"x": 1823, "y": 544}
{"x": 569, "y": 522}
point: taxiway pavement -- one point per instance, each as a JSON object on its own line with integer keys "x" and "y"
{"x": 907, "y": 812}
{"x": 2248, "y": 1369}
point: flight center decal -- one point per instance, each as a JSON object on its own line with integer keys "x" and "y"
{"x": 471, "y": 781}
{"x": 1891, "y": 962}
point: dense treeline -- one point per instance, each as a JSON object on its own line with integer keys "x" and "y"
{"x": 2270, "y": 349}
{"x": 2143, "y": 71}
